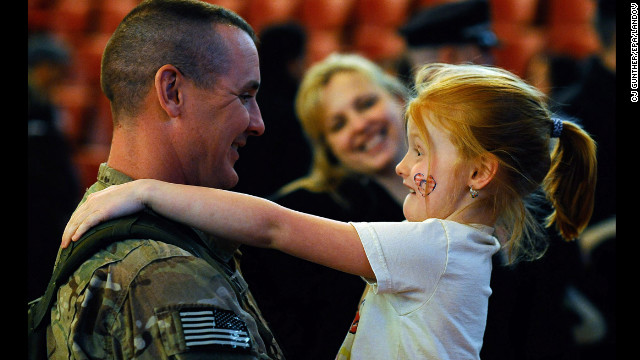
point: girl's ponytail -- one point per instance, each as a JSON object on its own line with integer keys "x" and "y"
{"x": 571, "y": 180}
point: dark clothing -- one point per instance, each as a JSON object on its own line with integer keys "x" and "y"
{"x": 282, "y": 153}
{"x": 362, "y": 199}
{"x": 593, "y": 102}
{"x": 311, "y": 307}
{"x": 52, "y": 194}
{"x": 533, "y": 311}
{"x": 528, "y": 318}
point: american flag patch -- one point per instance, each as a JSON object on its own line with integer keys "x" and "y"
{"x": 214, "y": 327}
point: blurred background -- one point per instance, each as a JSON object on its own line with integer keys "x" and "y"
{"x": 524, "y": 29}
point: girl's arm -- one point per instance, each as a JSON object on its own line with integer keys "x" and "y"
{"x": 233, "y": 216}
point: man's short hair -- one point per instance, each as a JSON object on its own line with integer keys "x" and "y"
{"x": 160, "y": 32}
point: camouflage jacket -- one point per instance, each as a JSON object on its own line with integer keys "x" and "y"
{"x": 143, "y": 299}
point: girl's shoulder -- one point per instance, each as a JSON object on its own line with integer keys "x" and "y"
{"x": 413, "y": 234}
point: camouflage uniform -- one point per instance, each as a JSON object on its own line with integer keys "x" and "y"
{"x": 143, "y": 299}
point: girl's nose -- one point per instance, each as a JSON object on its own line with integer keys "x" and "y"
{"x": 401, "y": 168}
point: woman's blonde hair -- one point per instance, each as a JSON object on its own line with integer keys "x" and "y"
{"x": 326, "y": 171}
{"x": 488, "y": 110}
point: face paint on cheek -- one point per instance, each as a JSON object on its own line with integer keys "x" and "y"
{"x": 425, "y": 185}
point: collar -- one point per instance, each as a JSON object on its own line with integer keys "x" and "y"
{"x": 109, "y": 176}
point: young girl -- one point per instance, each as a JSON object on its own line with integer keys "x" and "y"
{"x": 479, "y": 142}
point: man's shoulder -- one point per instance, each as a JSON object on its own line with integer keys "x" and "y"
{"x": 125, "y": 260}
{"x": 136, "y": 252}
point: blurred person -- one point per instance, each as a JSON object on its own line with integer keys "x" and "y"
{"x": 182, "y": 78}
{"x": 453, "y": 32}
{"x": 53, "y": 185}
{"x": 480, "y": 142}
{"x": 282, "y": 152}
{"x": 351, "y": 113}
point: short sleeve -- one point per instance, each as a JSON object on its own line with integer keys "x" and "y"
{"x": 407, "y": 258}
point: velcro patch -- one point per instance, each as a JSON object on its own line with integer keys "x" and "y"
{"x": 214, "y": 327}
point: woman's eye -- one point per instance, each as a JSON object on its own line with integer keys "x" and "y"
{"x": 336, "y": 124}
{"x": 367, "y": 102}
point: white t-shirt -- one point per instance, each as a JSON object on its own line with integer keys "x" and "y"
{"x": 431, "y": 293}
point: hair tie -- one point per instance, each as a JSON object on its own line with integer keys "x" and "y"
{"x": 557, "y": 127}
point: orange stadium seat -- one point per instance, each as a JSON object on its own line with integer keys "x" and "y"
{"x": 37, "y": 15}
{"x": 89, "y": 56}
{"x": 521, "y": 11}
{"x": 577, "y": 40}
{"x": 378, "y": 43}
{"x": 322, "y": 43}
{"x": 111, "y": 13}
{"x": 382, "y": 12}
{"x": 571, "y": 11}
{"x": 260, "y": 13}
{"x": 237, "y": 6}
{"x": 518, "y": 45}
{"x": 325, "y": 14}
{"x": 67, "y": 16}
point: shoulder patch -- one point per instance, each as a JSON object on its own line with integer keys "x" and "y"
{"x": 212, "y": 327}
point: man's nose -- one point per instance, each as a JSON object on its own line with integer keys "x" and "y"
{"x": 256, "y": 123}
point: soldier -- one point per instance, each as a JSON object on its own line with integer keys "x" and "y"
{"x": 182, "y": 77}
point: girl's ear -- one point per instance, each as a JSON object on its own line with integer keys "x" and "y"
{"x": 168, "y": 85}
{"x": 483, "y": 171}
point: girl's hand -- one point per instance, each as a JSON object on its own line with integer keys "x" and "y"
{"x": 112, "y": 202}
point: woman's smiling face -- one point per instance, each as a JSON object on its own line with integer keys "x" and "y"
{"x": 362, "y": 123}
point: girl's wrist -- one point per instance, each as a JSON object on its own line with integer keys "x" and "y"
{"x": 144, "y": 191}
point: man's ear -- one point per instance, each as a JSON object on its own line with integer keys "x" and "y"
{"x": 168, "y": 85}
{"x": 484, "y": 169}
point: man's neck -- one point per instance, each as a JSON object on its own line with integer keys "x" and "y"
{"x": 145, "y": 153}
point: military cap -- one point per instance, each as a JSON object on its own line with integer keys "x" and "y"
{"x": 464, "y": 22}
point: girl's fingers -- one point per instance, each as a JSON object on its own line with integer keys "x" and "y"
{"x": 114, "y": 201}
{"x": 79, "y": 217}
